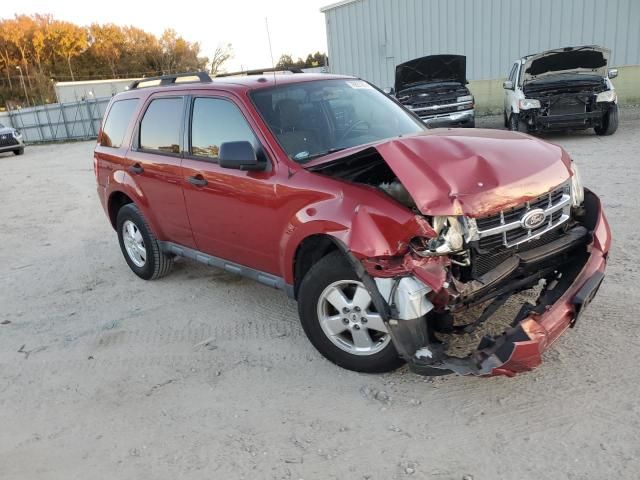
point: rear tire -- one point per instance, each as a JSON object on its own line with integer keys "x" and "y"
{"x": 609, "y": 122}
{"x": 505, "y": 119}
{"x": 139, "y": 246}
{"x": 20, "y": 151}
{"x": 331, "y": 271}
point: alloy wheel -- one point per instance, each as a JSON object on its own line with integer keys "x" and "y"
{"x": 134, "y": 243}
{"x": 348, "y": 318}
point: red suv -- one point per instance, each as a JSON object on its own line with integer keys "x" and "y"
{"x": 385, "y": 232}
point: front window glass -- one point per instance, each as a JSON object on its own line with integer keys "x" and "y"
{"x": 215, "y": 121}
{"x": 512, "y": 74}
{"x": 311, "y": 119}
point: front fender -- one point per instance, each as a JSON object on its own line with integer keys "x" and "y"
{"x": 377, "y": 228}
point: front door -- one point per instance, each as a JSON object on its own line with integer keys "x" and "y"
{"x": 510, "y": 100}
{"x": 233, "y": 213}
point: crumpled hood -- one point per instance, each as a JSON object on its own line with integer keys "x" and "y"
{"x": 474, "y": 172}
{"x": 432, "y": 68}
{"x": 586, "y": 59}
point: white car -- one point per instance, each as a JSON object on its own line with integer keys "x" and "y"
{"x": 565, "y": 88}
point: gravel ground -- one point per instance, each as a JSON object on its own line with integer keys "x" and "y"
{"x": 208, "y": 375}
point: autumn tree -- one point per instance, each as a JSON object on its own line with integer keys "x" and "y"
{"x": 69, "y": 42}
{"x": 222, "y": 55}
{"x": 316, "y": 60}
{"x": 19, "y": 31}
{"x": 107, "y": 43}
{"x": 179, "y": 55}
{"x": 45, "y": 48}
{"x": 141, "y": 55}
{"x": 7, "y": 54}
{"x": 285, "y": 61}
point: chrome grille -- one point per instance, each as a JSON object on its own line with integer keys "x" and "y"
{"x": 507, "y": 229}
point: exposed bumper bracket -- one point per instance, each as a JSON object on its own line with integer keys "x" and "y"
{"x": 585, "y": 295}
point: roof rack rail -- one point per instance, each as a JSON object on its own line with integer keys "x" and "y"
{"x": 261, "y": 71}
{"x": 203, "y": 77}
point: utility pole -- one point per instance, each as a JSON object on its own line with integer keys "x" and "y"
{"x": 24, "y": 85}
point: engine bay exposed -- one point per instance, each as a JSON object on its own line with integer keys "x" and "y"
{"x": 565, "y": 100}
{"x": 567, "y": 95}
{"x": 485, "y": 273}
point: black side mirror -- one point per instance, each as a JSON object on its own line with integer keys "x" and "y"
{"x": 240, "y": 156}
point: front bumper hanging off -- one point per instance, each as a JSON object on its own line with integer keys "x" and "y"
{"x": 534, "y": 329}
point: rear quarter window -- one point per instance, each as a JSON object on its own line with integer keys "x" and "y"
{"x": 116, "y": 123}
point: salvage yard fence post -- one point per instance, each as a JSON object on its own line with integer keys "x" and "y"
{"x": 58, "y": 122}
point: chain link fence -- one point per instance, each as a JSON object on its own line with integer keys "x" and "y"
{"x": 58, "y": 121}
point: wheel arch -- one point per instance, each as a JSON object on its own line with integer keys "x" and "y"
{"x": 116, "y": 201}
{"x": 308, "y": 252}
{"x": 122, "y": 190}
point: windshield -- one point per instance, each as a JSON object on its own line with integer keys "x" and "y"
{"x": 311, "y": 119}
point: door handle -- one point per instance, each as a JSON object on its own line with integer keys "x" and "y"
{"x": 197, "y": 180}
{"x": 136, "y": 168}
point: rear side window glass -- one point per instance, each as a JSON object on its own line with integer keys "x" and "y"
{"x": 215, "y": 121}
{"x": 117, "y": 122}
{"x": 160, "y": 126}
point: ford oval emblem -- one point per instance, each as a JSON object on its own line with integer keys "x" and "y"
{"x": 533, "y": 219}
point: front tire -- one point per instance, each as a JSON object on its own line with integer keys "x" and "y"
{"x": 340, "y": 321}
{"x": 514, "y": 122}
{"x": 139, "y": 246}
{"x": 609, "y": 122}
{"x": 20, "y": 151}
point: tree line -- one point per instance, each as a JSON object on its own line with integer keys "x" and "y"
{"x": 37, "y": 50}
{"x": 313, "y": 60}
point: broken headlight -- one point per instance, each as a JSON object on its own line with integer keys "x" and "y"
{"x": 528, "y": 103}
{"x": 465, "y": 98}
{"x": 577, "y": 190}
{"x": 450, "y": 238}
{"x": 607, "y": 96}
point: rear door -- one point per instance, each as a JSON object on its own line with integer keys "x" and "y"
{"x": 154, "y": 163}
{"x": 233, "y": 213}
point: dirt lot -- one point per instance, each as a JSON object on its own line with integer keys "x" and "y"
{"x": 207, "y": 375}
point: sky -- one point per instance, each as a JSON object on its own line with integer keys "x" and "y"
{"x": 296, "y": 26}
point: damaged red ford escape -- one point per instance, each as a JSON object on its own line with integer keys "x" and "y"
{"x": 385, "y": 232}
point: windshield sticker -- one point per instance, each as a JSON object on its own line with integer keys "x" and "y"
{"x": 358, "y": 84}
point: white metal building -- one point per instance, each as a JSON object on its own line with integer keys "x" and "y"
{"x": 90, "y": 89}
{"x": 368, "y": 38}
